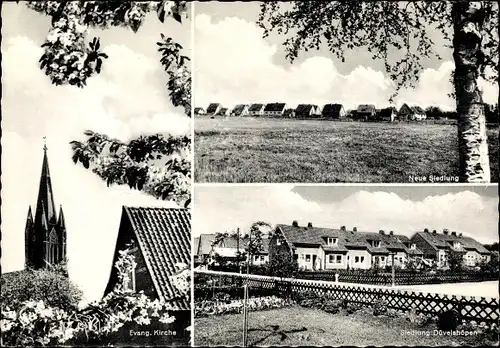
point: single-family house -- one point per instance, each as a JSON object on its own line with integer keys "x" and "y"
{"x": 388, "y": 114}
{"x": 223, "y": 112}
{"x": 411, "y": 113}
{"x": 274, "y": 109}
{"x": 159, "y": 239}
{"x": 306, "y": 111}
{"x": 437, "y": 246}
{"x": 199, "y": 111}
{"x": 240, "y": 110}
{"x": 256, "y": 110}
{"x": 366, "y": 112}
{"x": 333, "y": 111}
{"x": 213, "y": 108}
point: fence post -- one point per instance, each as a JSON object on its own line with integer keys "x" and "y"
{"x": 245, "y": 315}
{"x": 336, "y": 277}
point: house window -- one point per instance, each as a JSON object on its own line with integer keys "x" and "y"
{"x": 356, "y": 259}
{"x": 339, "y": 258}
{"x": 332, "y": 241}
{"x": 362, "y": 259}
{"x": 302, "y": 256}
{"x": 308, "y": 258}
{"x": 413, "y": 246}
{"x": 278, "y": 241}
{"x": 382, "y": 258}
{"x": 331, "y": 258}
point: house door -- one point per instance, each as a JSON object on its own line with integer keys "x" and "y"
{"x": 314, "y": 261}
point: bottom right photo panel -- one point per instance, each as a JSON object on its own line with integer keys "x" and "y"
{"x": 345, "y": 265}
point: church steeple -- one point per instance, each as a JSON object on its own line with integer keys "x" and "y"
{"x": 45, "y": 235}
{"x": 45, "y": 202}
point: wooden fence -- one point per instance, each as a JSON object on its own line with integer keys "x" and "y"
{"x": 471, "y": 309}
{"x": 400, "y": 277}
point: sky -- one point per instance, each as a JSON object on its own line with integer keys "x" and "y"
{"x": 234, "y": 64}
{"x": 128, "y": 98}
{"x": 471, "y": 210}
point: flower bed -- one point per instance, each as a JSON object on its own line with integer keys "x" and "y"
{"x": 207, "y": 308}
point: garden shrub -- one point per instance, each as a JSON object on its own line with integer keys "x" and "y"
{"x": 207, "y": 308}
{"x": 331, "y": 306}
{"x": 353, "y": 307}
{"x": 392, "y": 313}
{"x": 379, "y": 307}
{"x": 448, "y": 320}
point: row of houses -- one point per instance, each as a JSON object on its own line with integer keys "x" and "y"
{"x": 317, "y": 248}
{"x": 367, "y": 112}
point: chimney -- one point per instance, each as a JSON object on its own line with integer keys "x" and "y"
{"x": 454, "y": 233}
{"x": 342, "y": 228}
{"x": 295, "y": 223}
{"x": 309, "y": 224}
{"x": 355, "y": 229}
{"x": 434, "y": 232}
{"x": 391, "y": 233}
{"x": 426, "y": 230}
{"x": 460, "y": 235}
{"x": 446, "y": 231}
{"x": 381, "y": 232}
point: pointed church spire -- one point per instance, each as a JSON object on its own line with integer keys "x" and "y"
{"x": 30, "y": 214}
{"x": 60, "y": 222}
{"x": 45, "y": 200}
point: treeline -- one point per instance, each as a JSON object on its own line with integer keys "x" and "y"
{"x": 491, "y": 113}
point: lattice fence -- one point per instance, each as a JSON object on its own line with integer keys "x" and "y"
{"x": 471, "y": 309}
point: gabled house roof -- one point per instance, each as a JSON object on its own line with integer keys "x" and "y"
{"x": 213, "y": 108}
{"x": 223, "y": 111}
{"x": 315, "y": 237}
{"x": 256, "y": 107}
{"x": 332, "y": 109}
{"x": 206, "y": 240}
{"x": 238, "y": 109}
{"x": 444, "y": 241}
{"x": 366, "y": 108}
{"x": 387, "y": 112}
{"x": 275, "y": 107}
{"x": 198, "y": 109}
{"x": 306, "y": 109}
{"x": 164, "y": 239}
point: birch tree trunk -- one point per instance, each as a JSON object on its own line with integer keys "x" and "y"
{"x": 468, "y": 19}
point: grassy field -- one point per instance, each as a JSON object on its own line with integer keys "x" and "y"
{"x": 282, "y": 150}
{"x": 310, "y": 327}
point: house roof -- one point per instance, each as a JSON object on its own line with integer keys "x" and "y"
{"x": 366, "y": 108}
{"x": 196, "y": 245}
{"x": 441, "y": 240}
{"x": 164, "y": 238}
{"x": 305, "y": 109}
{"x": 334, "y": 109}
{"x": 212, "y": 108}
{"x": 223, "y": 110}
{"x": 198, "y": 109}
{"x": 205, "y": 246}
{"x": 206, "y": 240}
{"x": 315, "y": 236}
{"x": 417, "y": 109}
{"x": 387, "y": 112}
{"x": 238, "y": 109}
{"x": 256, "y": 107}
{"x": 275, "y": 107}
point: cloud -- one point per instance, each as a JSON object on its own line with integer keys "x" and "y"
{"x": 127, "y": 99}
{"x": 234, "y": 64}
{"x": 465, "y": 211}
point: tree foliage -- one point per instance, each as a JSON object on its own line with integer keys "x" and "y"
{"x": 395, "y": 32}
{"x": 50, "y": 285}
{"x": 155, "y": 164}
{"x": 456, "y": 260}
{"x": 71, "y": 57}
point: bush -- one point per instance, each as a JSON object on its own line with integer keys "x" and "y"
{"x": 331, "y": 306}
{"x": 379, "y": 307}
{"x": 449, "y": 320}
{"x": 207, "y": 308}
{"x": 51, "y": 286}
{"x": 352, "y": 307}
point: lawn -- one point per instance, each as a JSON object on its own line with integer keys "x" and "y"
{"x": 246, "y": 149}
{"x": 296, "y": 326}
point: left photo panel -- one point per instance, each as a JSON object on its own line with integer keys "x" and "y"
{"x": 96, "y": 180}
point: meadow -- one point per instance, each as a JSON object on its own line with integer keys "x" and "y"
{"x": 246, "y": 149}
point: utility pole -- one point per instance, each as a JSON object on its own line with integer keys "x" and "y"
{"x": 393, "y": 274}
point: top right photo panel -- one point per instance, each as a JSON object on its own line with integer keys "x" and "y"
{"x": 346, "y": 92}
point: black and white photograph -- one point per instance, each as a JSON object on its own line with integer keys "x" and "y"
{"x": 292, "y": 265}
{"x": 96, "y": 173}
{"x": 346, "y": 91}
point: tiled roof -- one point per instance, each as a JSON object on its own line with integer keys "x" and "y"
{"x": 441, "y": 240}
{"x": 164, "y": 238}
{"x": 305, "y": 109}
{"x": 275, "y": 107}
{"x": 256, "y": 107}
{"x": 332, "y": 109}
{"x": 206, "y": 241}
{"x": 238, "y": 109}
{"x": 315, "y": 236}
{"x": 417, "y": 109}
{"x": 212, "y": 108}
{"x": 366, "y": 108}
{"x": 205, "y": 244}
{"x": 198, "y": 109}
